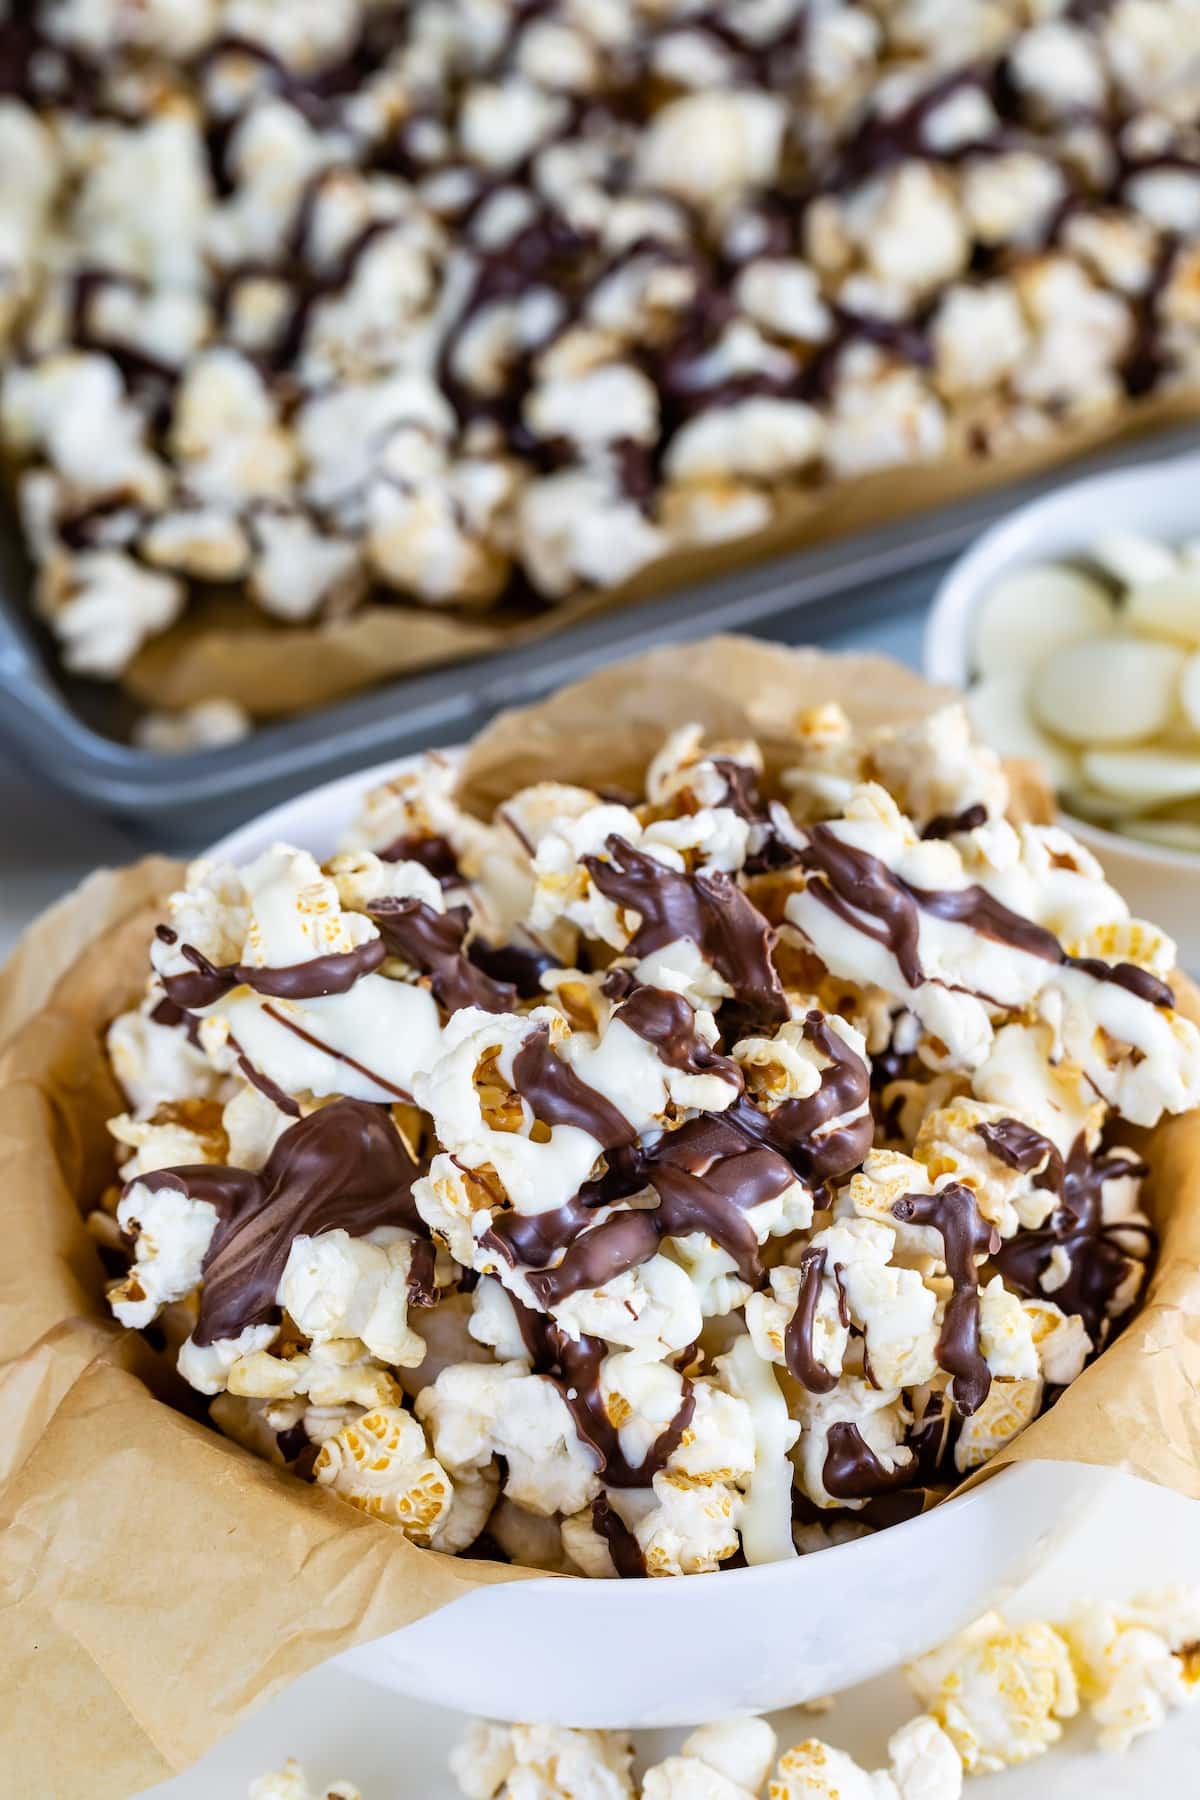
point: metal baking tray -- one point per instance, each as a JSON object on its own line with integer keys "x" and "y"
{"x": 812, "y": 596}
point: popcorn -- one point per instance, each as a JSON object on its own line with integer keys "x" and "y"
{"x": 1001, "y": 1694}
{"x": 171, "y": 1234}
{"x": 103, "y": 606}
{"x": 336, "y": 1286}
{"x": 923, "y": 1763}
{"x": 542, "y": 1762}
{"x": 524, "y": 1183}
{"x": 476, "y": 1412}
{"x": 208, "y": 725}
{"x": 729, "y": 1761}
{"x": 381, "y": 1464}
{"x": 1136, "y": 1663}
{"x": 544, "y": 305}
{"x": 291, "y": 1783}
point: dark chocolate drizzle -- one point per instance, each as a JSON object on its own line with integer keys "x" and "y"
{"x": 432, "y": 851}
{"x": 872, "y": 898}
{"x": 269, "y": 1089}
{"x": 344, "y": 1166}
{"x": 574, "y": 1365}
{"x": 710, "y": 910}
{"x": 852, "y": 1471}
{"x": 798, "y": 1351}
{"x": 520, "y": 966}
{"x": 623, "y": 1547}
{"x": 1099, "y": 1254}
{"x": 1019, "y": 1145}
{"x": 707, "y": 1174}
{"x": 432, "y": 943}
{"x": 665, "y": 1021}
{"x": 311, "y": 980}
{"x": 422, "y": 1274}
{"x": 945, "y": 825}
{"x": 558, "y": 1096}
{"x": 954, "y": 1213}
{"x": 799, "y": 1129}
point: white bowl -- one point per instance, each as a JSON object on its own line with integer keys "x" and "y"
{"x": 1161, "y": 499}
{"x": 636, "y": 1654}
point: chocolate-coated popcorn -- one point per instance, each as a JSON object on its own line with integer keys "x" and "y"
{"x": 633, "y": 1185}
{"x": 446, "y": 302}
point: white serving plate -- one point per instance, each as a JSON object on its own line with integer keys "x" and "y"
{"x": 661, "y": 1653}
{"x": 1162, "y": 500}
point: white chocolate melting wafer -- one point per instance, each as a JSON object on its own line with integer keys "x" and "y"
{"x": 1144, "y": 778}
{"x": 1035, "y": 611}
{"x": 1112, "y": 690}
{"x": 1168, "y": 608}
{"x": 999, "y": 711}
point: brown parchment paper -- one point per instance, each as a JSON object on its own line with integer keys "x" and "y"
{"x": 230, "y": 647}
{"x": 157, "y": 1582}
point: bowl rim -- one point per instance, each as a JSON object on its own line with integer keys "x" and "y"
{"x": 332, "y": 791}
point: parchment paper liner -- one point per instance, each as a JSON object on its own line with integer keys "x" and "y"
{"x": 157, "y": 1581}
{"x": 233, "y": 648}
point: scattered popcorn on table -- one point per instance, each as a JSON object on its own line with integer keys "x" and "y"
{"x": 923, "y": 1765}
{"x": 1136, "y": 1662}
{"x": 291, "y": 1783}
{"x": 542, "y": 1762}
{"x": 426, "y": 301}
{"x": 1000, "y": 1692}
{"x": 635, "y": 1186}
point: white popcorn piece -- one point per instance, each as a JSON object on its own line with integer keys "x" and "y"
{"x": 209, "y": 1367}
{"x": 908, "y": 226}
{"x": 156, "y": 1063}
{"x": 783, "y": 295}
{"x": 706, "y": 147}
{"x": 174, "y": 1135}
{"x": 74, "y": 408}
{"x": 575, "y": 528}
{"x": 1109, "y": 1032}
{"x": 102, "y": 605}
{"x": 763, "y": 438}
{"x": 923, "y": 1765}
{"x": 225, "y": 432}
{"x": 338, "y": 1286}
{"x": 1008, "y": 1408}
{"x": 728, "y": 1761}
{"x": 299, "y": 569}
{"x": 537, "y": 1174}
{"x": 542, "y": 1762}
{"x": 171, "y": 1234}
{"x": 879, "y": 1418}
{"x": 1136, "y": 1662}
{"x": 207, "y": 725}
{"x": 935, "y": 769}
{"x": 475, "y": 1412}
{"x": 960, "y": 1140}
{"x": 1058, "y": 66}
{"x": 291, "y": 1783}
{"x": 884, "y": 413}
{"x": 367, "y": 1042}
{"x": 1000, "y": 1693}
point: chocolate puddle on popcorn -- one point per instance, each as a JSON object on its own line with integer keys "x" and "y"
{"x": 634, "y": 1185}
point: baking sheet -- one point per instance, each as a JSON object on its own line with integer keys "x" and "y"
{"x": 61, "y": 729}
